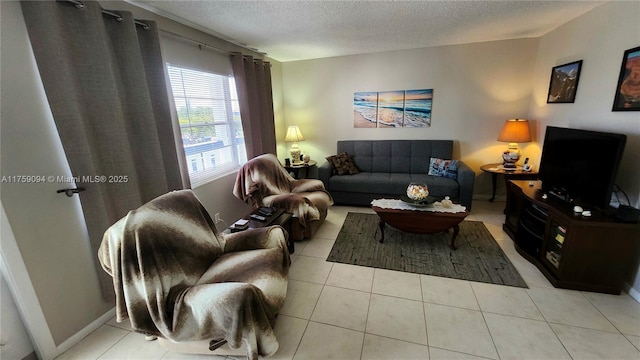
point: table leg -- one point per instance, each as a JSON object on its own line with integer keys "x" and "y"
{"x": 494, "y": 178}
{"x": 456, "y": 229}
{"x": 381, "y": 224}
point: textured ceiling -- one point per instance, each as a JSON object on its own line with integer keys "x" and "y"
{"x": 297, "y": 30}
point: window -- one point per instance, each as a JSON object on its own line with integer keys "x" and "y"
{"x": 209, "y": 117}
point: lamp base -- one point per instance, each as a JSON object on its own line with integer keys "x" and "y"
{"x": 511, "y": 156}
{"x": 295, "y": 156}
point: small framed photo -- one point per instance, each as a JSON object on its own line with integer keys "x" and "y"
{"x": 628, "y": 89}
{"x": 564, "y": 83}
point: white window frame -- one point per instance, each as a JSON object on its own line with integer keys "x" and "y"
{"x": 201, "y": 155}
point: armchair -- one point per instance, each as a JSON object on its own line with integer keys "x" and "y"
{"x": 262, "y": 181}
{"x": 177, "y": 278}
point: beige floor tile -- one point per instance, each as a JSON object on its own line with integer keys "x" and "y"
{"x": 529, "y": 272}
{"x": 506, "y": 300}
{"x": 446, "y": 291}
{"x": 312, "y": 269}
{"x": 351, "y": 277}
{"x": 569, "y": 308}
{"x": 396, "y": 283}
{"x": 342, "y": 307}
{"x": 635, "y": 340}
{"x": 125, "y": 325}
{"x": 457, "y": 329}
{"x": 322, "y": 341}
{"x": 442, "y": 354}
{"x": 382, "y": 348}
{"x": 289, "y": 331}
{"x": 299, "y": 246}
{"x": 329, "y": 229}
{"x": 496, "y": 231}
{"x": 301, "y": 299}
{"x": 517, "y": 338}
{"x": 134, "y": 346}
{"x": 169, "y": 355}
{"x": 95, "y": 344}
{"x": 397, "y": 318}
{"x": 318, "y": 247}
{"x": 622, "y": 310}
{"x": 594, "y": 344}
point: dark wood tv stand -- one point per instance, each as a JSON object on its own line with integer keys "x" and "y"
{"x": 574, "y": 252}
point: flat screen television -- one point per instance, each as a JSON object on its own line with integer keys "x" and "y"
{"x": 580, "y": 166}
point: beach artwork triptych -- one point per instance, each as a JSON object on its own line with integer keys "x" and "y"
{"x": 387, "y": 109}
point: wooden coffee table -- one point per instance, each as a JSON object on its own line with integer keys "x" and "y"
{"x": 420, "y": 222}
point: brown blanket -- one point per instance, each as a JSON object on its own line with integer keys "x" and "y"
{"x": 176, "y": 277}
{"x": 262, "y": 181}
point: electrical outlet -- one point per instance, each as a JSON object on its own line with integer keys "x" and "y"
{"x": 217, "y": 218}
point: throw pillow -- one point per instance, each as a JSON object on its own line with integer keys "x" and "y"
{"x": 342, "y": 164}
{"x": 444, "y": 168}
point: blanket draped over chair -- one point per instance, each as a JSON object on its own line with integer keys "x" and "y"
{"x": 262, "y": 181}
{"x": 176, "y": 277}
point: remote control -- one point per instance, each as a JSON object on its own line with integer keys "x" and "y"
{"x": 258, "y": 217}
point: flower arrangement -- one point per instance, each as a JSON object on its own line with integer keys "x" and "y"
{"x": 417, "y": 191}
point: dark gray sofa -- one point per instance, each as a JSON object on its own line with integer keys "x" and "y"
{"x": 387, "y": 167}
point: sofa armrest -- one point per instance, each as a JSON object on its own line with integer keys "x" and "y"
{"x": 324, "y": 173}
{"x": 466, "y": 178}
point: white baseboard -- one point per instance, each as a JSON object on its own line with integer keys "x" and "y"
{"x": 93, "y": 326}
{"x": 632, "y": 292}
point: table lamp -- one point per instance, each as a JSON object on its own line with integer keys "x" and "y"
{"x": 294, "y": 135}
{"x": 514, "y": 131}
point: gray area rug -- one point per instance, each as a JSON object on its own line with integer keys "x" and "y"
{"x": 478, "y": 257}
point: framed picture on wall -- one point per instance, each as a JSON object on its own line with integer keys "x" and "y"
{"x": 628, "y": 89}
{"x": 564, "y": 83}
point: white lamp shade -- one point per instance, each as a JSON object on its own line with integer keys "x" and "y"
{"x": 293, "y": 134}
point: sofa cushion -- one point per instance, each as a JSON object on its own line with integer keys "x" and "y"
{"x": 439, "y": 187}
{"x": 342, "y": 164}
{"x": 391, "y": 183}
{"x": 398, "y": 156}
{"x": 445, "y": 168}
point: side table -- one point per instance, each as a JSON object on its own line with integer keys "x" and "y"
{"x": 509, "y": 174}
{"x": 295, "y": 168}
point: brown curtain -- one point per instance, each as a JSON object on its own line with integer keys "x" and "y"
{"x": 105, "y": 84}
{"x": 253, "y": 83}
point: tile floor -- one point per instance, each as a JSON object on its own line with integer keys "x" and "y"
{"x": 337, "y": 311}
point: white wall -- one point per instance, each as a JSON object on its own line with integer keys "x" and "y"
{"x": 476, "y": 87}
{"x": 13, "y": 335}
{"x": 599, "y": 38}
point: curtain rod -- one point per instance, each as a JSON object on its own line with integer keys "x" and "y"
{"x": 80, "y": 5}
{"x": 205, "y": 45}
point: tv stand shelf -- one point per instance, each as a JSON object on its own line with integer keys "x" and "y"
{"x": 574, "y": 252}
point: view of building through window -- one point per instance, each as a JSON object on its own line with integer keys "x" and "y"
{"x": 209, "y": 116}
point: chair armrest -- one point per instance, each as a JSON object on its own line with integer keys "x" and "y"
{"x": 466, "y": 178}
{"x": 253, "y": 239}
{"x": 324, "y": 173}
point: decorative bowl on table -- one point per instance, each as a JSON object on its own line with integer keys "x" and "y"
{"x": 417, "y": 194}
{"x": 417, "y": 191}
